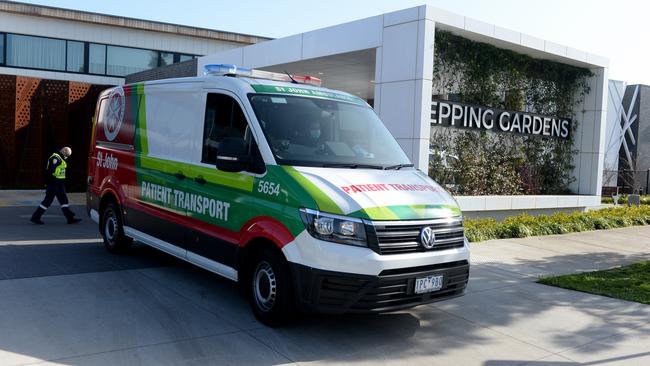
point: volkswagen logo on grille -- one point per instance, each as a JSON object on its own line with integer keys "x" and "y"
{"x": 427, "y": 237}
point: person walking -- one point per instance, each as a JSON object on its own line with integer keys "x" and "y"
{"x": 55, "y": 187}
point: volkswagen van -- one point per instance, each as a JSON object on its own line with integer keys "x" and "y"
{"x": 297, "y": 192}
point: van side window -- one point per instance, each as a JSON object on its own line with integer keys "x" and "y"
{"x": 102, "y": 111}
{"x": 225, "y": 118}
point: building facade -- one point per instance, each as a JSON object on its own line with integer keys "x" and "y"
{"x": 54, "y": 62}
{"x": 402, "y": 63}
{"x": 391, "y": 61}
{"x": 627, "y": 163}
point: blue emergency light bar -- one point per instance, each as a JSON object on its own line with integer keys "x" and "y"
{"x": 234, "y": 70}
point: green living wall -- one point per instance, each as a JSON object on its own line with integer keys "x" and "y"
{"x": 486, "y": 163}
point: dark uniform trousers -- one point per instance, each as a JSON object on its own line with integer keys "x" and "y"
{"x": 55, "y": 188}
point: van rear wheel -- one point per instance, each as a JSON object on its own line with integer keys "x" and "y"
{"x": 112, "y": 230}
{"x": 270, "y": 293}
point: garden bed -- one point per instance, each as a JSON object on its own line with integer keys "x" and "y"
{"x": 524, "y": 225}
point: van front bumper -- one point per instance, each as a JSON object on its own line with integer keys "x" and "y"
{"x": 393, "y": 289}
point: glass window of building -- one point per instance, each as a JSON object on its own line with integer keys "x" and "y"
{"x": 2, "y": 48}
{"x": 97, "y": 59}
{"x": 121, "y": 61}
{"x": 81, "y": 57}
{"x": 35, "y": 52}
{"x": 186, "y": 57}
{"x": 166, "y": 58}
{"x": 76, "y": 57}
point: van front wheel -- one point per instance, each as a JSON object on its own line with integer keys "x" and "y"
{"x": 112, "y": 230}
{"x": 270, "y": 292}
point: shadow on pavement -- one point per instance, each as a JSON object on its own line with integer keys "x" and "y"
{"x": 173, "y": 313}
{"x": 553, "y": 318}
{"x": 523, "y": 321}
{"x": 24, "y": 261}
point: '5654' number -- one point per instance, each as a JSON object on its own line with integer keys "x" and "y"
{"x": 270, "y": 188}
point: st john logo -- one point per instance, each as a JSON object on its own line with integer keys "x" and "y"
{"x": 114, "y": 114}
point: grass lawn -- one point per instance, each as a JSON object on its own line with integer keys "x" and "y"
{"x": 628, "y": 283}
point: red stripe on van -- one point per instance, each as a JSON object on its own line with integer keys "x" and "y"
{"x": 265, "y": 227}
{"x": 258, "y": 227}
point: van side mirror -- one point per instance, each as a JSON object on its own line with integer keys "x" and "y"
{"x": 232, "y": 155}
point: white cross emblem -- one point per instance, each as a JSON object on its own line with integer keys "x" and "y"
{"x": 114, "y": 113}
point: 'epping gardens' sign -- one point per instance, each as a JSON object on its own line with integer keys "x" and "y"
{"x": 461, "y": 115}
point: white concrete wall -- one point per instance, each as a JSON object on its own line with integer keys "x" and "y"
{"x": 403, "y": 73}
{"x": 589, "y": 138}
{"x": 523, "y": 203}
{"x": 121, "y": 36}
{"x": 349, "y": 37}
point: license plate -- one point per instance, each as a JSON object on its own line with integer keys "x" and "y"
{"x": 428, "y": 284}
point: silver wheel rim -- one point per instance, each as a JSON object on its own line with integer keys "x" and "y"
{"x": 264, "y": 286}
{"x": 110, "y": 228}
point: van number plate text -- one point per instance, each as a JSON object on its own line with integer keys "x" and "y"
{"x": 428, "y": 284}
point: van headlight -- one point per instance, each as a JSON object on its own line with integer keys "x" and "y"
{"x": 334, "y": 228}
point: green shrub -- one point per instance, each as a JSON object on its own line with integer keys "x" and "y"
{"x": 525, "y": 225}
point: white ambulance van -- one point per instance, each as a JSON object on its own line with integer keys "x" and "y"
{"x": 297, "y": 192}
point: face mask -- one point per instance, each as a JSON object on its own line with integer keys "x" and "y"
{"x": 314, "y": 134}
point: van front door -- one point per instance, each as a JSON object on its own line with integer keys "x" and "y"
{"x": 219, "y": 203}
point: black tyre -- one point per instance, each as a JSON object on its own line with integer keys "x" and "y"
{"x": 112, "y": 230}
{"x": 270, "y": 288}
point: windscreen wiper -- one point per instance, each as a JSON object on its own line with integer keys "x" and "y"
{"x": 398, "y": 166}
{"x": 352, "y": 166}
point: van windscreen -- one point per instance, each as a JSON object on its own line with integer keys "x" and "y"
{"x": 309, "y": 131}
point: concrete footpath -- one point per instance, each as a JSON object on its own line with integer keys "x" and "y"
{"x": 65, "y": 301}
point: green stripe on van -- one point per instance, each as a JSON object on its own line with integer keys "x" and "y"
{"x": 377, "y": 213}
{"x": 211, "y": 175}
{"x": 292, "y": 90}
{"x": 408, "y": 212}
{"x": 142, "y": 120}
{"x": 324, "y": 203}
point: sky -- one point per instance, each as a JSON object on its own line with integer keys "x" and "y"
{"x": 618, "y": 30}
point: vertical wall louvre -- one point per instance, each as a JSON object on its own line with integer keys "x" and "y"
{"x": 38, "y": 116}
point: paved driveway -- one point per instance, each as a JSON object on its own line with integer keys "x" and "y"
{"x": 64, "y": 300}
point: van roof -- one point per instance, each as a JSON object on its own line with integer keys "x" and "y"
{"x": 251, "y": 85}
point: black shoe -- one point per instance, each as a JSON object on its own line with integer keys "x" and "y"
{"x": 36, "y": 221}
{"x": 73, "y": 221}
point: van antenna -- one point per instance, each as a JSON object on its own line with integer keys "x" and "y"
{"x": 293, "y": 81}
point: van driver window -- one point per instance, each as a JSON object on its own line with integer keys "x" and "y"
{"x": 223, "y": 118}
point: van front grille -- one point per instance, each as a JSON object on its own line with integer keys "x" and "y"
{"x": 397, "y": 237}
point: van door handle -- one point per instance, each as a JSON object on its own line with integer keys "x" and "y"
{"x": 180, "y": 175}
{"x": 200, "y": 180}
